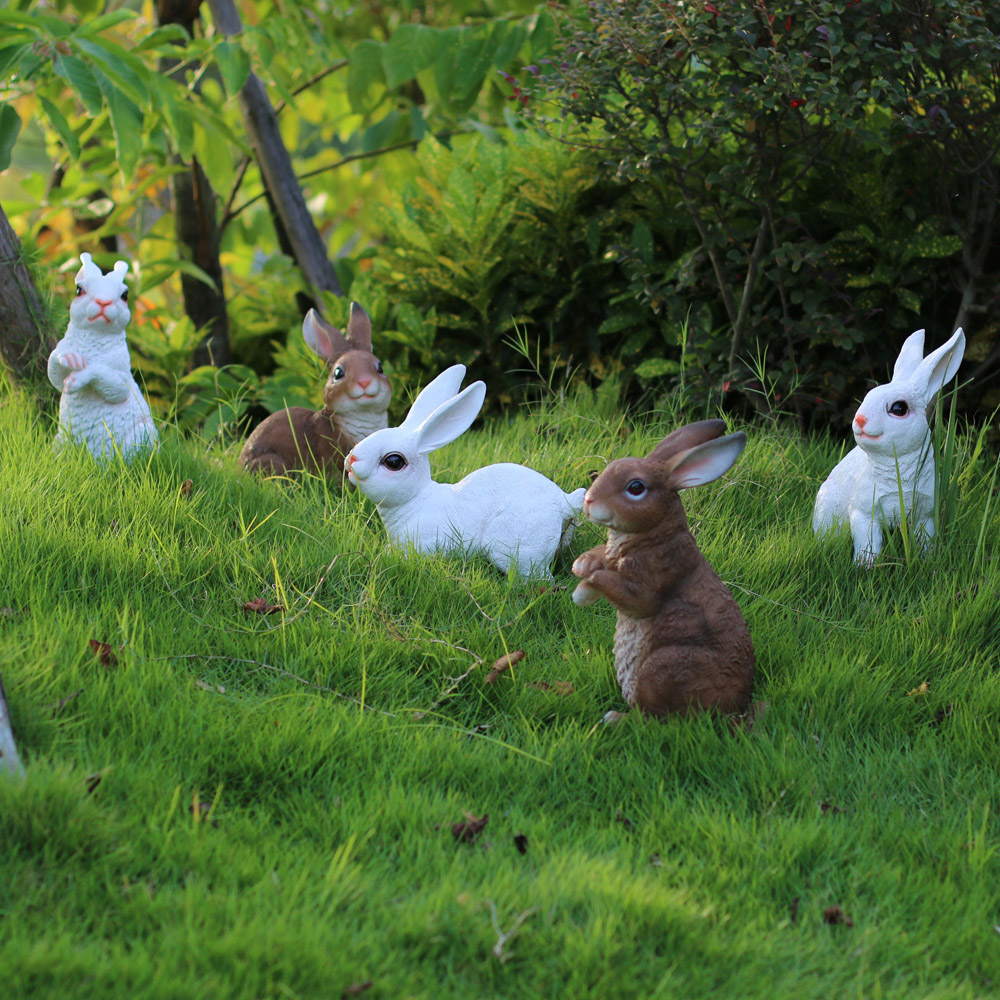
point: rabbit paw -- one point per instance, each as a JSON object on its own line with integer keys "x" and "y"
{"x": 76, "y": 381}
{"x": 585, "y": 595}
{"x": 588, "y": 562}
{"x": 74, "y": 362}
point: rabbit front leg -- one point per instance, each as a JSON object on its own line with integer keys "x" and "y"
{"x": 110, "y": 385}
{"x": 62, "y": 366}
{"x": 867, "y": 535}
{"x": 586, "y": 563}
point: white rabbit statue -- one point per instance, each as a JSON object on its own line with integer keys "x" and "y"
{"x": 101, "y": 405}
{"x": 512, "y": 514}
{"x": 893, "y": 449}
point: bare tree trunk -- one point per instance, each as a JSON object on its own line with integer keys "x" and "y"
{"x": 276, "y": 167}
{"x": 24, "y": 342}
{"x": 10, "y": 763}
{"x": 196, "y": 224}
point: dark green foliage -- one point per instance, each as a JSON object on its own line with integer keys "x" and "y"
{"x": 836, "y": 162}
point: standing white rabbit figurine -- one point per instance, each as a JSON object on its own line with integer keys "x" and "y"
{"x": 101, "y": 405}
{"x": 510, "y": 513}
{"x": 894, "y": 455}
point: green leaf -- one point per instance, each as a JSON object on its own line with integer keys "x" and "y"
{"x": 179, "y": 124}
{"x": 126, "y": 123}
{"x": 114, "y": 63}
{"x": 234, "y": 65}
{"x": 166, "y": 34}
{"x": 365, "y": 77}
{"x": 472, "y": 60}
{"x": 509, "y": 45}
{"x": 909, "y": 298}
{"x": 105, "y": 21}
{"x": 79, "y": 76}
{"x": 10, "y": 126}
{"x": 543, "y": 35}
{"x": 642, "y": 241}
{"x": 10, "y": 56}
{"x": 410, "y": 50}
{"x": 62, "y": 126}
{"x": 655, "y": 367}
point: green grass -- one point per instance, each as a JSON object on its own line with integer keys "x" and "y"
{"x": 273, "y": 816}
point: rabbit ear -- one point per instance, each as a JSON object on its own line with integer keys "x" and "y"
{"x": 940, "y": 366}
{"x": 910, "y": 356}
{"x": 359, "y": 328}
{"x": 121, "y": 268}
{"x": 706, "y": 462}
{"x": 433, "y": 394}
{"x": 450, "y": 419}
{"x": 687, "y": 437}
{"x": 89, "y": 268}
{"x": 325, "y": 340}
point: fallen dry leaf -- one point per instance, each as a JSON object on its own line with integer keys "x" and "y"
{"x": 556, "y": 687}
{"x": 205, "y": 686}
{"x": 793, "y": 911}
{"x": 356, "y": 988}
{"x": 521, "y": 843}
{"x": 919, "y": 692}
{"x": 470, "y": 828}
{"x": 828, "y": 807}
{"x": 655, "y": 861}
{"x": 102, "y": 650}
{"x": 93, "y": 780}
{"x": 504, "y": 663}
{"x": 258, "y": 606}
{"x": 204, "y": 808}
{"x": 620, "y": 817}
{"x": 835, "y": 915}
{"x": 9, "y": 613}
{"x": 186, "y": 487}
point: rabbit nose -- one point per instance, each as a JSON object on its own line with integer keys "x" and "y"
{"x": 860, "y": 419}
{"x": 365, "y": 382}
{"x": 103, "y": 302}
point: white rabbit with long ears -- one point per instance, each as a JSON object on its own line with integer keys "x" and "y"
{"x": 510, "y": 513}
{"x": 893, "y": 450}
{"x": 101, "y": 405}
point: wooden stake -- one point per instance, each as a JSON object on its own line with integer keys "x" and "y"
{"x": 276, "y": 167}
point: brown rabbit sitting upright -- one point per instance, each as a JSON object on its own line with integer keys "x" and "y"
{"x": 681, "y": 642}
{"x": 356, "y": 400}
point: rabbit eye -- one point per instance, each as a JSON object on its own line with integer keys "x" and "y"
{"x": 338, "y": 373}
{"x": 378, "y": 367}
{"x": 635, "y": 488}
{"x": 394, "y": 462}
{"x": 79, "y": 290}
{"x": 125, "y": 295}
{"x": 899, "y": 408}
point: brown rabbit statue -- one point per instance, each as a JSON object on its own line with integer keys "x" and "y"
{"x": 355, "y": 404}
{"x": 681, "y": 642}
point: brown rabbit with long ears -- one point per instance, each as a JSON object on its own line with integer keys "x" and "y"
{"x": 681, "y": 642}
{"x": 356, "y": 401}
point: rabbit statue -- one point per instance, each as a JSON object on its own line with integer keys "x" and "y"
{"x": 894, "y": 454}
{"x": 101, "y": 405}
{"x": 355, "y": 403}
{"x": 681, "y": 642}
{"x": 513, "y": 514}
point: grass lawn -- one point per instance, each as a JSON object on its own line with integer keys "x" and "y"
{"x": 263, "y": 806}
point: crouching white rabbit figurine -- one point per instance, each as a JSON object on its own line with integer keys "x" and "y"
{"x": 510, "y": 513}
{"x": 894, "y": 454}
{"x": 101, "y": 405}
